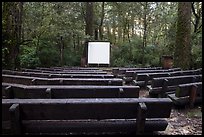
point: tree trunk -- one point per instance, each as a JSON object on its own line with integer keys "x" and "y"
{"x": 12, "y": 16}
{"x": 89, "y": 18}
{"x": 144, "y": 43}
{"x": 88, "y": 29}
{"x": 96, "y": 34}
{"x": 101, "y": 23}
{"x": 114, "y": 30}
{"x": 18, "y": 34}
{"x": 183, "y": 37}
{"x": 128, "y": 32}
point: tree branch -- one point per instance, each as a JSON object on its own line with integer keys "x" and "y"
{"x": 193, "y": 9}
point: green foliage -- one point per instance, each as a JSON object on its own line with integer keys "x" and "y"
{"x": 130, "y": 54}
{"x": 71, "y": 58}
{"x": 45, "y": 22}
{"x": 197, "y": 50}
{"x": 28, "y": 58}
{"x": 49, "y": 56}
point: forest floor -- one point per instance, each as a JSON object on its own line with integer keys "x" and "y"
{"x": 182, "y": 121}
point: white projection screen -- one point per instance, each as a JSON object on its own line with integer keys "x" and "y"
{"x": 98, "y": 52}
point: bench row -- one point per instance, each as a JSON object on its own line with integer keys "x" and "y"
{"x": 187, "y": 94}
{"x": 131, "y": 75}
{"x": 55, "y": 72}
{"x": 60, "y": 81}
{"x": 143, "y": 79}
{"x": 165, "y": 85}
{"x": 85, "y": 116}
{"x": 121, "y": 71}
{"x": 50, "y": 75}
{"x": 10, "y": 90}
{"x": 64, "y": 68}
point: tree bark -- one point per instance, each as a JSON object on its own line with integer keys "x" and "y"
{"x": 18, "y": 34}
{"x": 182, "y": 54}
{"x": 88, "y": 30}
{"x": 89, "y": 18}
{"x": 12, "y": 35}
{"x": 144, "y": 43}
{"x": 101, "y": 23}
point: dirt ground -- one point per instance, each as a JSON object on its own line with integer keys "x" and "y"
{"x": 182, "y": 121}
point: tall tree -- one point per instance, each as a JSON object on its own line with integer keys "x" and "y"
{"x": 89, "y": 20}
{"x": 183, "y": 37}
{"x": 12, "y": 33}
{"x": 144, "y": 43}
{"x": 101, "y": 22}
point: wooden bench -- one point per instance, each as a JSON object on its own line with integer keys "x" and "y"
{"x": 60, "y": 81}
{"x": 131, "y": 75}
{"x": 85, "y": 116}
{"x": 134, "y": 74}
{"x": 50, "y": 75}
{"x": 49, "y": 91}
{"x": 121, "y": 71}
{"x": 67, "y": 68}
{"x": 166, "y": 85}
{"x": 55, "y": 72}
{"x": 187, "y": 94}
{"x": 186, "y": 72}
{"x": 144, "y": 79}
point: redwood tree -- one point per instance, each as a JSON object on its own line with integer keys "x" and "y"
{"x": 12, "y": 33}
{"x": 182, "y": 55}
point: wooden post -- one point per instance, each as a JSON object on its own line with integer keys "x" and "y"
{"x": 33, "y": 82}
{"x": 164, "y": 88}
{"x": 192, "y": 96}
{"x": 15, "y": 119}
{"x": 121, "y": 92}
{"x": 141, "y": 117}
{"x": 146, "y": 80}
{"x": 9, "y": 92}
{"x": 48, "y": 93}
{"x": 61, "y": 82}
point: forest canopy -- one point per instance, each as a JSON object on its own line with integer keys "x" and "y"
{"x": 45, "y": 34}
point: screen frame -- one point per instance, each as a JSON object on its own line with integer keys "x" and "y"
{"x": 95, "y": 51}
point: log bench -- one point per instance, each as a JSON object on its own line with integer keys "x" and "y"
{"x": 68, "y": 68}
{"x": 49, "y": 91}
{"x": 54, "y": 72}
{"x": 187, "y": 94}
{"x": 85, "y": 116}
{"x": 60, "y": 81}
{"x": 131, "y": 75}
{"x": 121, "y": 71}
{"x": 50, "y": 75}
{"x": 162, "y": 86}
{"x": 144, "y": 79}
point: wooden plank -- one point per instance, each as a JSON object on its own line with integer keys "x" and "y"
{"x": 59, "y": 109}
{"x": 184, "y": 89}
{"x": 23, "y": 91}
{"x": 158, "y": 82}
{"x": 99, "y": 127}
{"x": 96, "y": 92}
{"x": 56, "y": 81}
{"x": 68, "y": 75}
